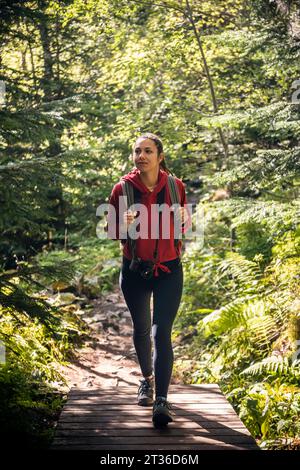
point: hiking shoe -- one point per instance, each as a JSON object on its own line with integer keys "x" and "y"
{"x": 145, "y": 392}
{"x": 162, "y": 413}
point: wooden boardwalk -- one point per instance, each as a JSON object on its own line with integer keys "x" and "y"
{"x": 109, "y": 418}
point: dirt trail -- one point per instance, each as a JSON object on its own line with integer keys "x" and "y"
{"x": 109, "y": 358}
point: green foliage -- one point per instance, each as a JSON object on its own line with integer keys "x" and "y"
{"x": 276, "y": 366}
{"x": 31, "y": 404}
{"x": 250, "y": 334}
{"x": 83, "y": 79}
{"x": 269, "y": 411}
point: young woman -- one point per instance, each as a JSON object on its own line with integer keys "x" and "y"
{"x": 149, "y": 177}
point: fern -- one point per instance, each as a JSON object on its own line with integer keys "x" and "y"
{"x": 226, "y": 318}
{"x": 272, "y": 214}
{"x": 246, "y": 273}
{"x": 276, "y": 365}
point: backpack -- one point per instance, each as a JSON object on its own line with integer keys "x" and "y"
{"x": 134, "y": 195}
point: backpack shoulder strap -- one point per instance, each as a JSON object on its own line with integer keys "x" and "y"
{"x": 173, "y": 190}
{"x": 127, "y": 189}
{"x": 133, "y": 197}
{"x": 175, "y": 198}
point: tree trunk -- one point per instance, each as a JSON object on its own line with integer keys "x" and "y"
{"x": 190, "y": 17}
{"x": 50, "y": 86}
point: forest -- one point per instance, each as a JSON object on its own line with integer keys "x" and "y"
{"x": 219, "y": 82}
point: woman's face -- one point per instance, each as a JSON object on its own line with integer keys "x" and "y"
{"x": 145, "y": 155}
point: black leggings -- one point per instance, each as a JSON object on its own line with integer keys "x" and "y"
{"x": 167, "y": 292}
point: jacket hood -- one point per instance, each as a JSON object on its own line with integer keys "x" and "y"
{"x": 134, "y": 177}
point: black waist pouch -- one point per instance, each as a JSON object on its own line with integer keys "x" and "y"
{"x": 146, "y": 267}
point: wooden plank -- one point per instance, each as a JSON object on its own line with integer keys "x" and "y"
{"x": 106, "y": 421}
{"x": 130, "y": 408}
{"x": 155, "y": 439}
{"x": 133, "y": 400}
{"x": 144, "y": 412}
{"x": 148, "y": 432}
{"x": 150, "y": 448}
{"x": 235, "y": 425}
{"x": 123, "y": 394}
{"x": 212, "y": 416}
{"x": 173, "y": 389}
{"x": 134, "y": 389}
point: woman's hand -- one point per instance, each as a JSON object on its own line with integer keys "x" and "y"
{"x": 128, "y": 217}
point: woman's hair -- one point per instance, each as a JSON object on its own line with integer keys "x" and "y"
{"x": 159, "y": 145}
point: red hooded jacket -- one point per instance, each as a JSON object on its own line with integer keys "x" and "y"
{"x": 145, "y": 246}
